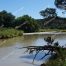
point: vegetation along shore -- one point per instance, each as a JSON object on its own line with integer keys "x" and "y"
{"x": 11, "y": 26}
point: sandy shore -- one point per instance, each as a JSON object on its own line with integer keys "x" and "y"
{"x": 37, "y": 33}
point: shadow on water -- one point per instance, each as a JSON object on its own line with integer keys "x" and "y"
{"x": 28, "y": 58}
{"x": 38, "y": 57}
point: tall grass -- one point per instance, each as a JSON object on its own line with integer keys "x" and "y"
{"x": 57, "y": 61}
{"x": 9, "y": 33}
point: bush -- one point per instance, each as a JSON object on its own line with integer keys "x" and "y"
{"x": 9, "y": 33}
{"x": 57, "y": 61}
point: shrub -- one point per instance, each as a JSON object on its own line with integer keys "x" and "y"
{"x": 9, "y": 33}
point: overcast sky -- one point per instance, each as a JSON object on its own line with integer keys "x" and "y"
{"x": 30, "y": 7}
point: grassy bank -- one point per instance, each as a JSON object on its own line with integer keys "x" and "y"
{"x": 49, "y": 30}
{"x": 59, "y": 60}
{"x": 9, "y": 33}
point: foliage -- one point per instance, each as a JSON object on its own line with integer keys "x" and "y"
{"x": 57, "y": 23}
{"x": 57, "y": 61}
{"x": 49, "y": 15}
{"x": 60, "y": 4}
{"x": 9, "y": 33}
{"x": 48, "y": 12}
{"x": 51, "y": 20}
{"x": 6, "y": 19}
{"x": 58, "y": 53}
{"x": 25, "y": 22}
{"x": 52, "y": 30}
{"x": 30, "y": 25}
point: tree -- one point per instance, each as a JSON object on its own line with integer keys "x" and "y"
{"x": 48, "y": 12}
{"x": 60, "y": 4}
{"x": 6, "y": 19}
{"x": 26, "y": 23}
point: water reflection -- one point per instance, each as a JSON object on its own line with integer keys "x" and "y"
{"x": 7, "y": 47}
{"x": 38, "y": 57}
{"x": 31, "y": 40}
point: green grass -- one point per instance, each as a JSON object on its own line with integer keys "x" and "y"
{"x": 57, "y": 61}
{"x": 49, "y": 30}
{"x": 9, "y": 33}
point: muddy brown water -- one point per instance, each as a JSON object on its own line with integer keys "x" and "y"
{"x": 11, "y": 55}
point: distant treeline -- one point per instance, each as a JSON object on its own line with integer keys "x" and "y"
{"x": 57, "y": 23}
{"x": 25, "y": 22}
{"x": 51, "y": 20}
{"x": 28, "y": 24}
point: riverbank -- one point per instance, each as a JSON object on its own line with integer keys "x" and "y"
{"x": 9, "y": 33}
{"x": 12, "y": 55}
{"x": 46, "y": 33}
{"x": 59, "y": 60}
{"x": 51, "y": 30}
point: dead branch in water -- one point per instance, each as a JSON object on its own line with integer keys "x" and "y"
{"x": 51, "y": 47}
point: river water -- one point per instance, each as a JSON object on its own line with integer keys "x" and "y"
{"x": 12, "y": 55}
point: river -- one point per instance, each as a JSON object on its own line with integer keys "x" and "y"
{"x": 12, "y": 55}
